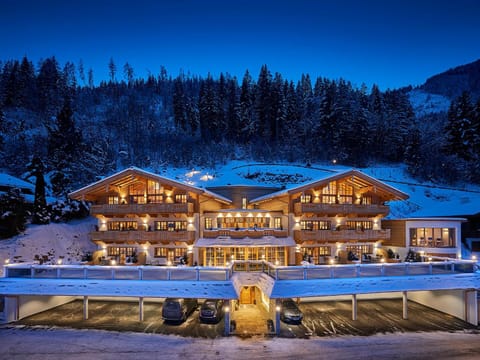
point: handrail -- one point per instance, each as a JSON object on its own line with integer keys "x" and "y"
{"x": 224, "y": 273}
{"x": 117, "y": 272}
{"x": 337, "y": 271}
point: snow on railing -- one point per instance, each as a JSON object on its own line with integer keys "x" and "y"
{"x": 224, "y": 273}
{"x": 130, "y": 272}
{"x": 336, "y": 271}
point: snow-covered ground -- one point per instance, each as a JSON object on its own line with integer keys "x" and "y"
{"x": 69, "y": 241}
{"x": 35, "y": 343}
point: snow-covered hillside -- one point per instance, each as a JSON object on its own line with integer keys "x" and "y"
{"x": 68, "y": 241}
{"x": 426, "y": 103}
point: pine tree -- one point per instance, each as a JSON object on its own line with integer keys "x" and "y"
{"x": 263, "y": 105}
{"x": 112, "y": 70}
{"x": 247, "y": 113}
{"x": 64, "y": 143}
{"x": 40, "y": 210}
{"x": 179, "y": 104}
{"x": 460, "y": 128}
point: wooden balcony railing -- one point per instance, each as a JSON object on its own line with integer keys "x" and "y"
{"x": 341, "y": 209}
{"x": 239, "y": 234}
{"x": 341, "y": 235}
{"x": 107, "y": 209}
{"x": 142, "y": 236}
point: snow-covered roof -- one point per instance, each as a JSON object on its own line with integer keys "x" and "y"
{"x": 10, "y": 181}
{"x": 119, "y": 288}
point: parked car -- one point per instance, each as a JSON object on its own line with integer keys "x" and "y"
{"x": 289, "y": 312}
{"x": 211, "y": 311}
{"x": 178, "y": 310}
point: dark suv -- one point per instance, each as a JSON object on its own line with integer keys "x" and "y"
{"x": 178, "y": 310}
{"x": 211, "y": 311}
{"x": 289, "y": 312}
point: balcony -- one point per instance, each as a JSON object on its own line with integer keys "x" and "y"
{"x": 340, "y": 235}
{"x": 139, "y": 236}
{"x": 117, "y": 209}
{"x": 341, "y": 209}
{"x": 240, "y": 234}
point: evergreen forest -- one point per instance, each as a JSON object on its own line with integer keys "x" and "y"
{"x": 55, "y": 118}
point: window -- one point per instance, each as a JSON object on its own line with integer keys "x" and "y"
{"x": 329, "y": 193}
{"x": 208, "y": 223}
{"x": 170, "y": 225}
{"x": 122, "y": 225}
{"x": 119, "y": 251}
{"x": 305, "y": 198}
{"x": 314, "y": 225}
{"x": 137, "y": 193}
{"x": 277, "y": 223}
{"x": 244, "y": 202}
{"x": 113, "y": 200}
{"x": 181, "y": 198}
{"x": 359, "y": 225}
{"x": 359, "y": 250}
{"x": 432, "y": 237}
{"x": 160, "y": 252}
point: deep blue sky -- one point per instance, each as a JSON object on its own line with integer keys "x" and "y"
{"x": 392, "y": 43}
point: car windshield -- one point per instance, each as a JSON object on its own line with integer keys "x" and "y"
{"x": 209, "y": 305}
{"x": 289, "y": 304}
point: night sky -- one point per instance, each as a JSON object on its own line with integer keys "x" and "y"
{"x": 392, "y": 43}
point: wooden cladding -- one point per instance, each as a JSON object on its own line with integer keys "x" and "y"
{"x": 142, "y": 236}
{"x": 239, "y": 234}
{"x": 341, "y": 235}
{"x": 186, "y": 208}
{"x": 341, "y": 209}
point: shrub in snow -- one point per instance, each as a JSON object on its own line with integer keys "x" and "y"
{"x": 13, "y": 213}
{"x": 65, "y": 210}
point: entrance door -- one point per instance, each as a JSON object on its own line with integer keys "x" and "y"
{"x": 246, "y": 295}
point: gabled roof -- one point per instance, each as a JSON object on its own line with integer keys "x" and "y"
{"x": 129, "y": 176}
{"x": 357, "y": 178}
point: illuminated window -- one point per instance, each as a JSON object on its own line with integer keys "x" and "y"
{"x": 181, "y": 198}
{"x": 208, "y": 223}
{"x": 315, "y": 225}
{"x": 305, "y": 198}
{"x": 113, "y": 200}
{"x": 122, "y": 225}
{"x": 170, "y": 225}
{"x": 359, "y": 225}
{"x": 277, "y": 223}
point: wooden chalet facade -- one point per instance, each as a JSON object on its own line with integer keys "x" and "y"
{"x": 147, "y": 218}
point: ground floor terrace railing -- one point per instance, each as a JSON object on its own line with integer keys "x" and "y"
{"x": 311, "y": 272}
{"x": 223, "y": 273}
{"x": 97, "y": 272}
